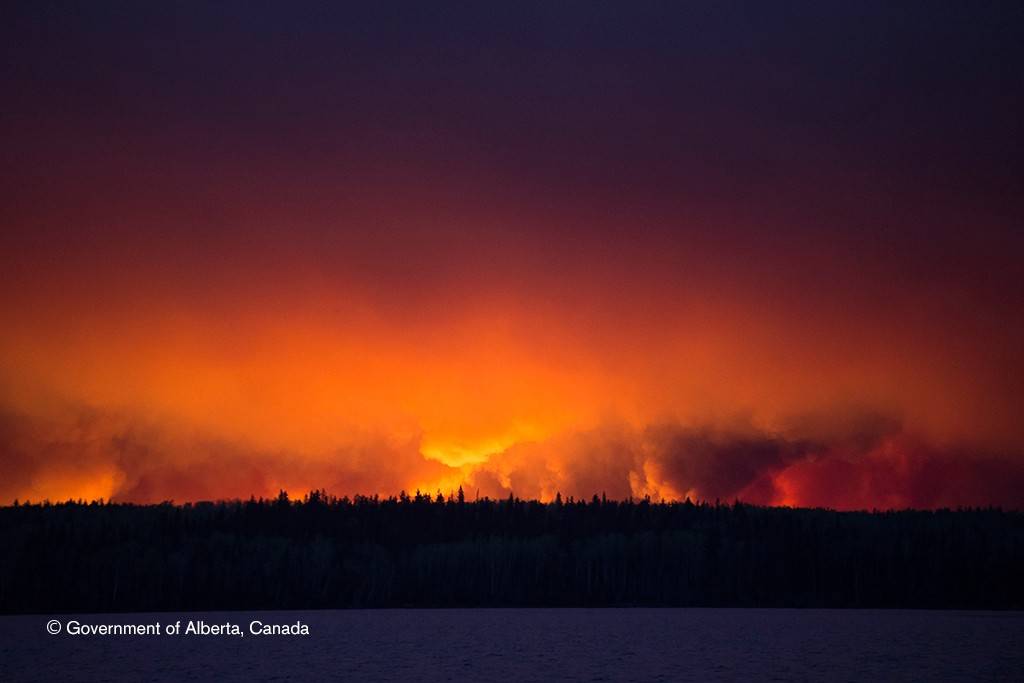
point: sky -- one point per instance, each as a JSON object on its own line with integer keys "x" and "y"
{"x": 716, "y": 250}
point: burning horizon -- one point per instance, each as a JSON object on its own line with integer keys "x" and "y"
{"x": 698, "y": 255}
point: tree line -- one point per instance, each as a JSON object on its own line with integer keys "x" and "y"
{"x": 432, "y": 551}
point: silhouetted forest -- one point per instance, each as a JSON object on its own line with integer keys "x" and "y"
{"x": 426, "y": 550}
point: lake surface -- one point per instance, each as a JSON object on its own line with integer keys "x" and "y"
{"x": 530, "y": 645}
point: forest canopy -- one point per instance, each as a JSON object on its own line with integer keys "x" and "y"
{"x": 435, "y": 550}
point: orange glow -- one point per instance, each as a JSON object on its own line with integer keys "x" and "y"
{"x": 314, "y": 391}
{"x": 337, "y": 250}
{"x": 257, "y": 371}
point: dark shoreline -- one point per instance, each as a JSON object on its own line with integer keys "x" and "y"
{"x": 422, "y": 552}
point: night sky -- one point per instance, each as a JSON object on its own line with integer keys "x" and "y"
{"x": 772, "y": 251}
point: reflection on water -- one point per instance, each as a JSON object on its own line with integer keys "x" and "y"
{"x": 530, "y": 644}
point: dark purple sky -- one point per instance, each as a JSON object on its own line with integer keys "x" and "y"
{"x": 660, "y": 248}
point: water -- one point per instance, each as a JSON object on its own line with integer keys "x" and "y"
{"x": 534, "y": 645}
